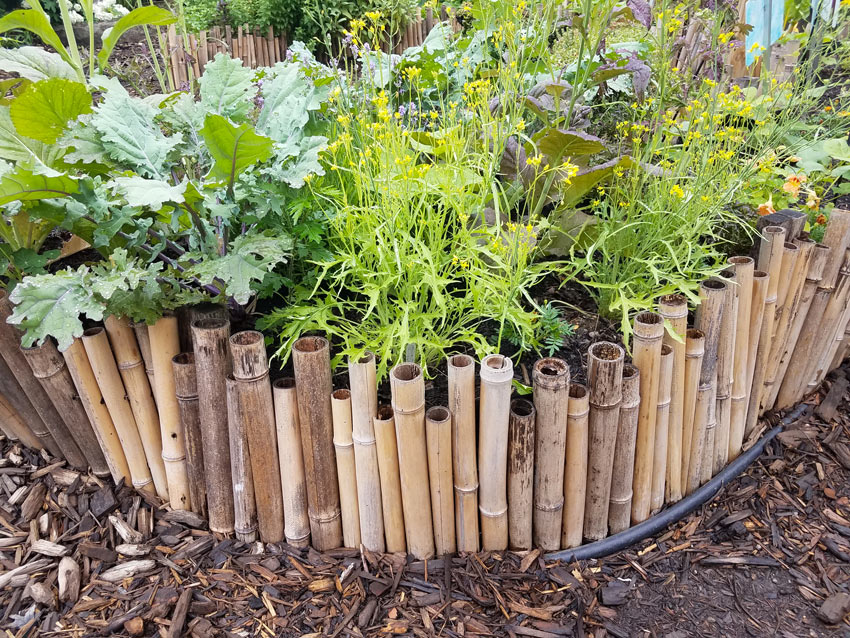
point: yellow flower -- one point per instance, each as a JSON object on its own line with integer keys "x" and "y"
{"x": 534, "y": 161}
{"x": 723, "y": 38}
{"x": 373, "y": 16}
{"x": 677, "y": 191}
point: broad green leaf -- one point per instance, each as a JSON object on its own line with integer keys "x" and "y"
{"x": 137, "y": 17}
{"x": 19, "y": 148}
{"x": 557, "y": 143}
{"x": 85, "y": 143}
{"x": 838, "y": 149}
{"x": 44, "y": 109}
{"x": 28, "y": 260}
{"x": 148, "y": 193}
{"x": 23, "y": 185}
{"x": 295, "y": 173}
{"x": 34, "y": 63}
{"x": 36, "y": 22}
{"x": 224, "y": 87}
{"x": 233, "y": 148}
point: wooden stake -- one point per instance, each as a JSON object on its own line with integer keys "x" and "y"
{"x": 744, "y": 267}
{"x": 385, "y": 440}
{"x": 345, "y": 468}
{"x": 21, "y": 406}
{"x": 674, "y": 310}
{"x": 203, "y": 53}
{"x": 620, "y": 500}
{"x": 144, "y": 342}
{"x": 829, "y": 324}
{"x": 694, "y": 352}
{"x": 293, "y": 481}
{"x": 575, "y": 467}
{"x": 521, "y": 448}
{"x": 461, "y": 380}
{"x": 245, "y": 508}
{"x": 186, "y": 391}
{"x": 662, "y": 421}
{"x": 725, "y": 363}
{"x": 438, "y": 430}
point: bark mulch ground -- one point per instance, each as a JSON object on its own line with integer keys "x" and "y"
{"x": 769, "y": 556}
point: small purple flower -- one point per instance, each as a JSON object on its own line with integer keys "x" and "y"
{"x": 402, "y": 110}
{"x": 290, "y": 56}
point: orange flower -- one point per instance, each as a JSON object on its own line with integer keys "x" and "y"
{"x": 792, "y": 184}
{"x": 820, "y": 220}
{"x": 767, "y": 208}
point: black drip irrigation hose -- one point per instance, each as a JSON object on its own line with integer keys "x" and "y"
{"x": 677, "y": 511}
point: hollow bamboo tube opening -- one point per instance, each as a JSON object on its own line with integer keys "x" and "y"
{"x": 461, "y": 382}
{"x": 694, "y": 352}
{"x": 312, "y": 364}
{"x": 605, "y": 384}
{"x": 744, "y": 267}
{"x": 620, "y": 501}
{"x": 386, "y": 443}
{"x": 520, "y": 473}
{"x": 345, "y": 468}
{"x": 662, "y": 420}
{"x": 575, "y": 466}
{"x": 438, "y": 430}
{"x": 293, "y": 481}
{"x": 407, "y": 386}
{"x": 186, "y": 390}
{"x": 725, "y": 364}
{"x": 245, "y": 508}
{"x": 674, "y": 310}
{"x": 20, "y": 403}
{"x": 494, "y": 408}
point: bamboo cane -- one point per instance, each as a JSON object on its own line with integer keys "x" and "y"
{"x": 662, "y": 421}
{"x": 674, "y": 310}
{"x": 744, "y": 267}
{"x": 20, "y": 404}
{"x": 138, "y": 391}
{"x": 165, "y": 345}
{"x": 186, "y": 391}
{"x": 293, "y": 481}
{"x": 312, "y": 363}
{"x": 49, "y": 368}
{"x": 725, "y": 364}
{"x": 521, "y": 449}
{"x": 694, "y": 352}
{"x": 408, "y": 395}
{"x": 244, "y": 505}
{"x": 575, "y": 466}
{"x": 438, "y": 432}
{"x": 393, "y": 511}
{"x": 646, "y": 354}
{"x": 364, "y": 406}
{"x": 620, "y": 501}
{"x": 212, "y": 365}
{"x": 833, "y": 354}
{"x": 829, "y": 324}
{"x": 842, "y": 348}
{"x": 551, "y": 379}
{"x": 203, "y": 311}
{"x": 496, "y": 373}
{"x": 14, "y": 426}
{"x": 709, "y": 319}
{"x": 605, "y": 385}
{"x": 461, "y": 380}
{"x": 144, "y": 341}
{"x": 345, "y": 468}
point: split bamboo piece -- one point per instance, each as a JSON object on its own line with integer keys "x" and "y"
{"x": 244, "y": 505}
{"x": 646, "y": 355}
{"x": 829, "y": 324}
{"x": 575, "y": 467}
{"x": 662, "y": 421}
{"x": 186, "y": 390}
{"x": 497, "y": 372}
{"x": 362, "y": 378}
{"x": 744, "y": 267}
{"x": 165, "y": 345}
{"x": 438, "y": 432}
{"x": 674, "y": 310}
{"x": 293, "y": 481}
{"x": 461, "y": 380}
{"x": 138, "y": 390}
{"x": 14, "y": 426}
{"x": 18, "y": 401}
{"x": 725, "y": 363}
{"x": 831, "y": 358}
{"x": 520, "y": 473}
{"x": 49, "y": 368}
{"x": 605, "y": 385}
{"x": 385, "y": 441}
{"x": 312, "y": 363}
{"x": 407, "y": 386}
{"x": 345, "y": 468}
{"x": 620, "y": 501}
{"x": 212, "y": 365}
{"x": 694, "y": 352}
{"x": 551, "y": 379}
{"x": 144, "y": 341}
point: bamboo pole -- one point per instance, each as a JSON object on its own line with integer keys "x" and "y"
{"x": 20, "y": 404}
{"x": 832, "y": 357}
{"x": 461, "y": 380}
{"x": 575, "y": 466}
{"x": 744, "y": 267}
{"x": 551, "y": 379}
{"x": 203, "y": 53}
{"x": 138, "y": 390}
{"x": 393, "y": 511}
{"x": 662, "y": 422}
{"x": 212, "y": 365}
{"x": 312, "y": 363}
{"x": 725, "y": 364}
{"x": 165, "y": 345}
{"x": 144, "y": 341}
{"x": 362, "y": 378}
{"x": 15, "y": 427}
{"x": 198, "y": 312}
{"x": 345, "y": 468}
{"x": 620, "y": 501}
{"x": 605, "y": 385}
{"x": 244, "y": 504}
{"x": 186, "y": 391}
{"x": 293, "y": 481}
{"x": 646, "y": 355}
{"x": 438, "y": 432}
{"x": 829, "y": 323}
{"x": 496, "y": 373}
{"x": 521, "y": 449}
{"x": 49, "y": 368}
{"x": 674, "y": 310}
{"x": 694, "y": 352}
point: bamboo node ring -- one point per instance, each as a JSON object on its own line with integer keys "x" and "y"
{"x": 318, "y": 518}
{"x": 418, "y": 408}
{"x": 467, "y": 490}
{"x": 129, "y": 365}
{"x": 484, "y": 512}
{"x": 555, "y": 507}
{"x": 360, "y": 441}
{"x": 173, "y": 459}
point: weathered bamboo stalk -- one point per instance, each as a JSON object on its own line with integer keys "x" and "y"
{"x": 551, "y": 379}
{"x": 212, "y": 365}
{"x": 165, "y": 345}
{"x": 494, "y": 407}
{"x": 18, "y": 401}
{"x": 144, "y": 341}
{"x": 674, "y": 310}
{"x": 520, "y": 473}
{"x": 408, "y": 395}
{"x": 364, "y": 406}
{"x": 605, "y": 385}
{"x": 646, "y": 355}
{"x": 14, "y": 427}
{"x": 830, "y": 323}
{"x": 575, "y": 466}
{"x": 49, "y": 368}
{"x": 385, "y": 440}
{"x": 186, "y": 391}
{"x": 438, "y": 432}
{"x": 293, "y": 481}
{"x": 744, "y": 267}
{"x": 725, "y": 365}
{"x": 694, "y": 352}
{"x": 662, "y": 421}
{"x": 138, "y": 390}
{"x": 345, "y": 467}
{"x": 244, "y": 505}
{"x": 461, "y": 380}
{"x": 832, "y": 359}
{"x": 199, "y": 312}
{"x": 620, "y": 501}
